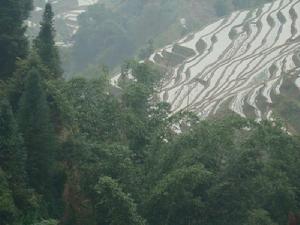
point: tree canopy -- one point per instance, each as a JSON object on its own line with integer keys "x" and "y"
{"x": 82, "y": 151}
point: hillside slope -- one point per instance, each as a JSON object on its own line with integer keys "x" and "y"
{"x": 113, "y": 31}
{"x": 239, "y": 62}
{"x": 66, "y": 17}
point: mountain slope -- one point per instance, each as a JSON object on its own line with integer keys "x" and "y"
{"x": 239, "y": 62}
{"x": 113, "y": 31}
{"x": 66, "y": 17}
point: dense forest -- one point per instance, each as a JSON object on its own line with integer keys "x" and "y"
{"x": 81, "y": 152}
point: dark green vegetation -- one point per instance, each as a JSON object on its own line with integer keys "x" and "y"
{"x": 13, "y": 42}
{"x": 76, "y": 153}
{"x": 45, "y": 43}
{"x": 287, "y": 104}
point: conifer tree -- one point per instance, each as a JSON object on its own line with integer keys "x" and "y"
{"x": 12, "y": 152}
{"x": 45, "y": 43}
{"x": 13, "y": 43}
{"x": 38, "y": 132}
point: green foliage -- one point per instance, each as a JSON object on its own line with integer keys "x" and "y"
{"x": 248, "y": 168}
{"x": 47, "y": 222}
{"x": 13, "y": 43}
{"x": 8, "y": 209}
{"x": 113, "y": 206}
{"x": 179, "y": 198}
{"x": 122, "y": 159}
{"x": 93, "y": 159}
{"x": 34, "y": 120}
{"x": 15, "y": 86}
{"x": 136, "y": 94}
{"x": 13, "y": 160}
{"x": 12, "y": 152}
{"x": 95, "y": 112}
{"x": 45, "y": 43}
{"x": 287, "y": 104}
{"x": 216, "y": 172}
{"x": 259, "y": 217}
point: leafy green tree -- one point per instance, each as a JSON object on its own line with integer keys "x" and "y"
{"x": 96, "y": 112}
{"x": 38, "y": 132}
{"x": 145, "y": 74}
{"x": 180, "y": 197}
{"x": 136, "y": 100}
{"x": 13, "y": 160}
{"x": 135, "y": 97}
{"x": 45, "y": 43}
{"x": 278, "y": 152}
{"x": 13, "y": 43}
{"x": 16, "y": 85}
{"x": 113, "y": 206}
{"x": 259, "y": 217}
{"x": 234, "y": 194}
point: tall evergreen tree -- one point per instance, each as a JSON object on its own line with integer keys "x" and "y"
{"x": 13, "y": 43}
{"x": 45, "y": 43}
{"x": 39, "y": 137}
{"x": 12, "y": 151}
{"x": 12, "y": 159}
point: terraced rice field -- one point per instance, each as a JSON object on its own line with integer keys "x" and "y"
{"x": 240, "y": 59}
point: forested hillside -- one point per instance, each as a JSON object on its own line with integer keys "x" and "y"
{"x": 84, "y": 152}
{"x": 108, "y": 32}
{"x": 113, "y": 31}
{"x": 66, "y": 18}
